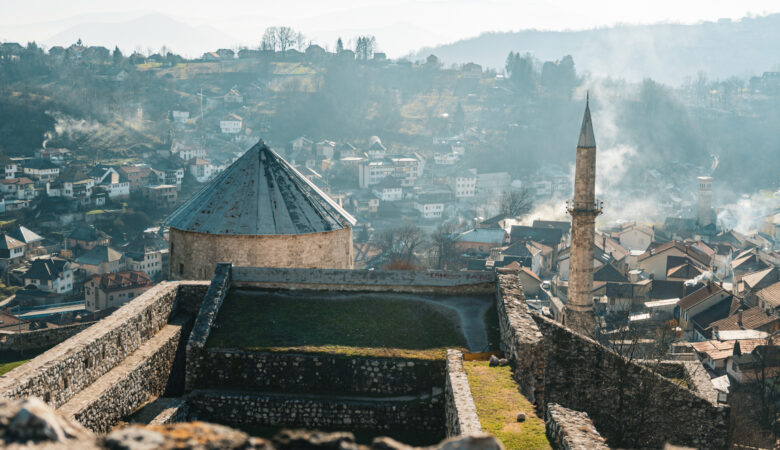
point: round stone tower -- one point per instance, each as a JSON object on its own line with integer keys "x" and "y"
{"x": 704, "y": 210}
{"x": 259, "y": 212}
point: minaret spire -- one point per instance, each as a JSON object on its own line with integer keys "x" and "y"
{"x": 583, "y": 210}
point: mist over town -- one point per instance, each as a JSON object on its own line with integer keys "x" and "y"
{"x": 390, "y": 225}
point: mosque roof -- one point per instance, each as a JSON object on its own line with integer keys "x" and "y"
{"x": 260, "y": 194}
{"x": 587, "y": 138}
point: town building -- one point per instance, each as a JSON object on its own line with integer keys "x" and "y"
{"x": 260, "y": 211}
{"x": 101, "y": 259}
{"x": 147, "y": 253}
{"x": 41, "y": 170}
{"x": 11, "y": 251}
{"x": 161, "y": 195}
{"x": 231, "y": 124}
{"x": 112, "y": 290}
{"x": 86, "y": 237}
{"x": 53, "y": 275}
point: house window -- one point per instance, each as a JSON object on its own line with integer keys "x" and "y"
{"x": 181, "y": 269}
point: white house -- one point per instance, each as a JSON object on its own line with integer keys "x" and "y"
{"x": 464, "y": 185}
{"x": 372, "y": 172}
{"x": 188, "y": 150}
{"x": 180, "y": 116}
{"x": 389, "y": 190}
{"x": 231, "y": 124}
{"x": 202, "y": 169}
{"x": 635, "y": 237}
{"x": 430, "y": 206}
{"x": 446, "y": 159}
{"x": 50, "y": 275}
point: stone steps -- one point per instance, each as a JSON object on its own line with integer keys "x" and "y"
{"x": 141, "y": 376}
{"x": 161, "y": 411}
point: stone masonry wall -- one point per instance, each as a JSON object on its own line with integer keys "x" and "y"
{"x": 142, "y": 376}
{"x": 365, "y": 280}
{"x": 521, "y": 340}
{"x": 61, "y": 372}
{"x": 630, "y": 405}
{"x": 38, "y": 339}
{"x": 207, "y": 315}
{"x": 198, "y": 253}
{"x": 318, "y": 412}
{"x": 314, "y": 373}
{"x": 460, "y": 412}
{"x": 571, "y": 430}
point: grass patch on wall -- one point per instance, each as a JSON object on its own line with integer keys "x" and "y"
{"x": 498, "y": 401}
{"x": 6, "y": 367}
{"x": 353, "y": 326}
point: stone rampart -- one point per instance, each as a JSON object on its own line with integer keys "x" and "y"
{"x": 314, "y": 373}
{"x": 423, "y": 414}
{"x": 142, "y": 376}
{"x": 521, "y": 340}
{"x": 459, "y": 409}
{"x": 365, "y": 280}
{"x": 207, "y": 315}
{"x": 65, "y": 370}
{"x": 571, "y": 430}
{"x": 631, "y": 405}
{"x": 43, "y": 338}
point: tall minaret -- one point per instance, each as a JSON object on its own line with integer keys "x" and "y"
{"x": 583, "y": 210}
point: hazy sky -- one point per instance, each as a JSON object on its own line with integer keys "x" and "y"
{"x": 400, "y": 25}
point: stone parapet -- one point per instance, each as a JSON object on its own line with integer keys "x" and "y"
{"x": 207, "y": 314}
{"x": 459, "y": 408}
{"x": 65, "y": 370}
{"x": 38, "y": 339}
{"x": 521, "y": 340}
{"x": 572, "y": 430}
{"x": 140, "y": 377}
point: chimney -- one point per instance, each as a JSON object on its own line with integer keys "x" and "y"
{"x": 715, "y": 333}
{"x": 739, "y": 319}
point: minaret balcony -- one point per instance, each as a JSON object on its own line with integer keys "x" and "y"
{"x": 595, "y": 208}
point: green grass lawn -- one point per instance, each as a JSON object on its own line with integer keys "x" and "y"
{"x": 371, "y": 325}
{"x": 7, "y": 367}
{"x": 498, "y": 401}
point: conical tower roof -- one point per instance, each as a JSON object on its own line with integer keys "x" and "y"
{"x": 587, "y": 138}
{"x": 260, "y": 194}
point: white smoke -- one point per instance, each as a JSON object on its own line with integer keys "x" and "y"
{"x": 748, "y": 213}
{"x": 67, "y": 126}
{"x": 701, "y": 278}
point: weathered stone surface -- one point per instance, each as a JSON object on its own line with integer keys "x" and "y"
{"x": 424, "y": 413}
{"x": 39, "y": 339}
{"x": 503, "y": 362}
{"x": 572, "y": 430}
{"x": 460, "y": 410}
{"x": 313, "y": 373}
{"x": 478, "y": 441}
{"x": 32, "y": 419}
{"x": 493, "y": 361}
{"x": 194, "y": 255}
{"x": 521, "y": 417}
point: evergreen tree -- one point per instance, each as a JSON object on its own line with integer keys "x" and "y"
{"x": 339, "y": 46}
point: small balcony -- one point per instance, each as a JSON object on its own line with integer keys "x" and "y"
{"x": 595, "y": 208}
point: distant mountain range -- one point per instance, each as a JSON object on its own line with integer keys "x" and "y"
{"x": 663, "y": 52}
{"x": 145, "y": 32}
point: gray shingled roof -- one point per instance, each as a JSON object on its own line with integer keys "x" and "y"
{"x": 587, "y": 138}
{"x": 260, "y": 194}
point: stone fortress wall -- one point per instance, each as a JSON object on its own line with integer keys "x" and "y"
{"x": 117, "y": 364}
{"x": 39, "y": 339}
{"x": 554, "y": 364}
{"x": 195, "y": 255}
{"x": 319, "y": 390}
{"x": 136, "y": 354}
{"x": 459, "y": 409}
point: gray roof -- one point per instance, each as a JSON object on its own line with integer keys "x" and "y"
{"x": 260, "y": 194}
{"x": 99, "y": 254}
{"x": 587, "y": 138}
{"x": 25, "y": 235}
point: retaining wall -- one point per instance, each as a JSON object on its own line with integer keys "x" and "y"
{"x": 38, "y": 339}
{"x": 459, "y": 409}
{"x": 422, "y": 414}
{"x": 314, "y": 373}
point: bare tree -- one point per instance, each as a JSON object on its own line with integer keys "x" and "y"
{"x": 515, "y": 202}
{"x": 401, "y": 243}
{"x": 443, "y": 246}
{"x": 269, "y": 41}
{"x": 285, "y": 37}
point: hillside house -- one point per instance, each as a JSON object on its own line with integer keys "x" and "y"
{"x": 11, "y": 251}
{"x": 101, "y": 259}
{"x": 480, "y": 240}
{"x": 231, "y": 124}
{"x": 114, "y": 289}
{"x": 50, "y": 275}
{"x": 41, "y": 170}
